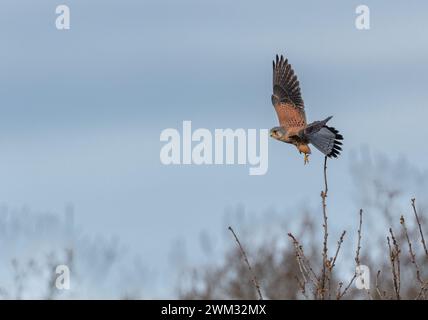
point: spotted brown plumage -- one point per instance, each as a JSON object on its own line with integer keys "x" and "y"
{"x": 286, "y": 97}
{"x": 290, "y": 109}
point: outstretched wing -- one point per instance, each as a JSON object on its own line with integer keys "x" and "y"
{"x": 286, "y": 97}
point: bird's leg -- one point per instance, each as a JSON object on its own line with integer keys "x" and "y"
{"x": 306, "y": 159}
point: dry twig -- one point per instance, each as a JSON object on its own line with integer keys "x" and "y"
{"x": 255, "y": 282}
{"x": 394, "y": 257}
{"x": 420, "y": 227}
{"x": 411, "y": 252}
{"x": 324, "y": 276}
{"x": 381, "y": 294}
{"x": 357, "y": 257}
{"x": 304, "y": 265}
{"x": 339, "y": 244}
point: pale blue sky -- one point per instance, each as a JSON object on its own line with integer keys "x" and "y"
{"x": 81, "y": 111}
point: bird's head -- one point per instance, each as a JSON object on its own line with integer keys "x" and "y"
{"x": 277, "y": 132}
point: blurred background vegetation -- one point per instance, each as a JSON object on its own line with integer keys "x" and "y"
{"x": 32, "y": 244}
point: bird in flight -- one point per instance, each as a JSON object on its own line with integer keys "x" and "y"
{"x": 288, "y": 103}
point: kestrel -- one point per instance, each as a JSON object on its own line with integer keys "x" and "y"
{"x": 288, "y": 103}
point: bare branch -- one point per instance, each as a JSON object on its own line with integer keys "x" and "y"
{"x": 394, "y": 256}
{"x": 339, "y": 244}
{"x": 379, "y": 292}
{"x": 339, "y": 289}
{"x": 420, "y": 227}
{"x": 357, "y": 253}
{"x": 302, "y": 286}
{"x": 324, "y": 276}
{"x": 304, "y": 264}
{"x": 357, "y": 257}
{"x": 255, "y": 282}
{"x": 411, "y": 252}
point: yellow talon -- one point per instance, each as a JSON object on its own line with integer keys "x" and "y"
{"x": 306, "y": 159}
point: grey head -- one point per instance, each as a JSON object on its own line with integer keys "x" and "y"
{"x": 277, "y": 132}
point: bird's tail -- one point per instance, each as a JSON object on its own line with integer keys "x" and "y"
{"x": 325, "y": 139}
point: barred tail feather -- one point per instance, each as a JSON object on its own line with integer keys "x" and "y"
{"x": 327, "y": 140}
